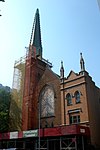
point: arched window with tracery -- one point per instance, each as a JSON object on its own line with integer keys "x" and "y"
{"x": 47, "y": 101}
{"x": 69, "y": 99}
{"x": 77, "y": 97}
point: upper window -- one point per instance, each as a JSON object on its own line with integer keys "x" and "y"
{"x": 77, "y": 97}
{"x": 74, "y": 119}
{"x": 69, "y": 99}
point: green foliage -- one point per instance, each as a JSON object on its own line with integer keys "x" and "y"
{"x": 5, "y": 98}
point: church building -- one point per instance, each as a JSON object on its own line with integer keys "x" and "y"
{"x": 64, "y": 109}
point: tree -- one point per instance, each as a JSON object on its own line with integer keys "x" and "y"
{"x": 5, "y": 97}
{"x": 2, "y": 1}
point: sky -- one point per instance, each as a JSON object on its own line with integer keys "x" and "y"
{"x": 68, "y": 27}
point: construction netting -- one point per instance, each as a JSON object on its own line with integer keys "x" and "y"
{"x": 17, "y": 95}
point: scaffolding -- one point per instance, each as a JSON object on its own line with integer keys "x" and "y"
{"x": 57, "y": 138}
{"x": 17, "y": 94}
{"x": 60, "y": 143}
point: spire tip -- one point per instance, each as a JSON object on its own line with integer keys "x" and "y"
{"x": 37, "y": 11}
{"x": 82, "y": 64}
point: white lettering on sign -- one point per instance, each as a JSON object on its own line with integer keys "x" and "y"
{"x": 30, "y": 133}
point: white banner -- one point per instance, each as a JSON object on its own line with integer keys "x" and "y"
{"x": 13, "y": 135}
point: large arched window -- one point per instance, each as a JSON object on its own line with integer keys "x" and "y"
{"x": 69, "y": 99}
{"x": 77, "y": 97}
{"x": 46, "y": 100}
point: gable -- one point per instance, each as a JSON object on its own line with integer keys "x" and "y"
{"x": 49, "y": 76}
{"x": 72, "y": 75}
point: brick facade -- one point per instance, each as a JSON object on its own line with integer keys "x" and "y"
{"x": 89, "y": 106}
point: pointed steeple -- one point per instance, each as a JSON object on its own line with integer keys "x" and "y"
{"x": 36, "y": 36}
{"x": 82, "y": 64}
{"x": 62, "y": 71}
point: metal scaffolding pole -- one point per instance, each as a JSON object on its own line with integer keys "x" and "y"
{"x": 47, "y": 145}
{"x": 83, "y": 143}
{"x": 39, "y": 126}
{"x": 60, "y": 144}
{"x": 75, "y": 143}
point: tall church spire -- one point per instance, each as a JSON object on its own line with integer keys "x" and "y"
{"x": 82, "y": 64}
{"x": 36, "y": 36}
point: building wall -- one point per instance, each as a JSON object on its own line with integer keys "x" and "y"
{"x": 38, "y": 75}
{"x": 71, "y": 85}
{"x": 34, "y": 69}
{"x": 93, "y": 98}
{"x": 51, "y": 79}
{"x": 89, "y": 106}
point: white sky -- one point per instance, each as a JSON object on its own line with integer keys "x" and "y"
{"x": 68, "y": 27}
